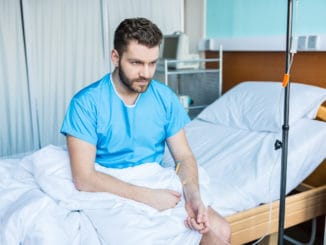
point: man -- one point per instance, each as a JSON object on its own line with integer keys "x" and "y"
{"x": 125, "y": 119}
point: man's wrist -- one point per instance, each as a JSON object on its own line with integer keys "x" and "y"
{"x": 191, "y": 190}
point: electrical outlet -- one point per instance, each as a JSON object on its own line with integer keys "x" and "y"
{"x": 302, "y": 42}
{"x": 312, "y": 42}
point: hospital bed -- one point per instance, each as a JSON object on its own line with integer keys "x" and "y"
{"x": 308, "y": 202}
{"x": 243, "y": 108}
{"x": 233, "y": 140}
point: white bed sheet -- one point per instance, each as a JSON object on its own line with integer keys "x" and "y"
{"x": 244, "y": 168}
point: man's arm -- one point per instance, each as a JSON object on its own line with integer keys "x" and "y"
{"x": 86, "y": 178}
{"x": 188, "y": 174}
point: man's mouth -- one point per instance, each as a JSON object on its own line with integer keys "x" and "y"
{"x": 142, "y": 82}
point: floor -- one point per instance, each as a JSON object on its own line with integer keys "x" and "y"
{"x": 302, "y": 232}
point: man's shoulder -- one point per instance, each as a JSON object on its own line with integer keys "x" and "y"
{"x": 94, "y": 89}
{"x": 161, "y": 87}
{"x": 158, "y": 84}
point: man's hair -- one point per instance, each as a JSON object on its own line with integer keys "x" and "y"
{"x": 141, "y": 30}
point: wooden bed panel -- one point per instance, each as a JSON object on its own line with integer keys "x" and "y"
{"x": 321, "y": 113}
{"x": 318, "y": 177}
{"x": 254, "y": 223}
{"x": 238, "y": 66}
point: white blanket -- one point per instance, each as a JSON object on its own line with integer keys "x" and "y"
{"x": 40, "y": 205}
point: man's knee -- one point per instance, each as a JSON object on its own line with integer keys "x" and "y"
{"x": 226, "y": 231}
{"x": 220, "y": 226}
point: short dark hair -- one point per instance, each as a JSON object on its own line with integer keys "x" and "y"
{"x": 141, "y": 30}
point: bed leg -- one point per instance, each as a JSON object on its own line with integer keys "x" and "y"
{"x": 312, "y": 236}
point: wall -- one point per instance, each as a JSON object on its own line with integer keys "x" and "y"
{"x": 239, "y": 24}
{"x": 253, "y": 35}
{"x": 237, "y": 18}
{"x": 194, "y": 20}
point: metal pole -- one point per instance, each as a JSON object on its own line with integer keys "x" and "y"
{"x": 285, "y": 128}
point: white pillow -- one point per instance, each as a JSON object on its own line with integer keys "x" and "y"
{"x": 259, "y": 106}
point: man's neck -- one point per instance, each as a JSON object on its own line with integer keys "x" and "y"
{"x": 129, "y": 97}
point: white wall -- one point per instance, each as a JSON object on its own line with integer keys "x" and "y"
{"x": 195, "y": 22}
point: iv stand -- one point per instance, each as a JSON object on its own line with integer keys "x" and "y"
{"x": 285, "y": 127}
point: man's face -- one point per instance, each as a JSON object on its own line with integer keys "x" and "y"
{"x": 137, "y": 66}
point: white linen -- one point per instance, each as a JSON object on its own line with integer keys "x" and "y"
{"x": 244, "y": 168}
{"x": 40, "y": 205}
{"x": 258, "y": 106}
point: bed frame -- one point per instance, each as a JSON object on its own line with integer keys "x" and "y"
{"x": 307, "y": 204}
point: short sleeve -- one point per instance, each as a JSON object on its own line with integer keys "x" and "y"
{"x": 177, "y": 117}
{"x": 80, "y": 120}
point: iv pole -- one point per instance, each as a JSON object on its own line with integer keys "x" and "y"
{"x": 285, "y": 127}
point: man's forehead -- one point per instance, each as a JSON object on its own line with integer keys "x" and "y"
{"x": 141, "y": 52}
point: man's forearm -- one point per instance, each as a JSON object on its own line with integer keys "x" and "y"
{"x": 160, "y": 199}
{"x": 100, "y": 182}
{"x": 86, "y": 178}
{"x": 188, "y": 174}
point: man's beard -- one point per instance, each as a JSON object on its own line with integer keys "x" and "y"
{"x": 133, "y": 85}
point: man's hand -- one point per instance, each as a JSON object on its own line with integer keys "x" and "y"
{"x": 162, "y": 199}
{"x": 197, "y": 215}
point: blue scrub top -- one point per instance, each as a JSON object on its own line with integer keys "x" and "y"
{"x": 124, "y": 135}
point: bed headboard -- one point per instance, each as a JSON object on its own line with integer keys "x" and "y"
{"x": 238, "y": 66}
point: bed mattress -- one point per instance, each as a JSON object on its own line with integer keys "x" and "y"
{"x": 244, "y": 167}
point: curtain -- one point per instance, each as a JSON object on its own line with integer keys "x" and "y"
{"x": 65, "y": 52}
{"x": 166, "y": 14}
{"x": 15, "y": 114}
{"x": 50, "y": 50}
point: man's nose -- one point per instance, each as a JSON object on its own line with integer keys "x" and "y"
{"x": 145, "y": 72}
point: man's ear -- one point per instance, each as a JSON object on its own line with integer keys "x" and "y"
{"x": 115, "y": 57}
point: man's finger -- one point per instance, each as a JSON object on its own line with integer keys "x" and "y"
{"x": 204, "y": 230}
{"x": 195, "y": 225}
